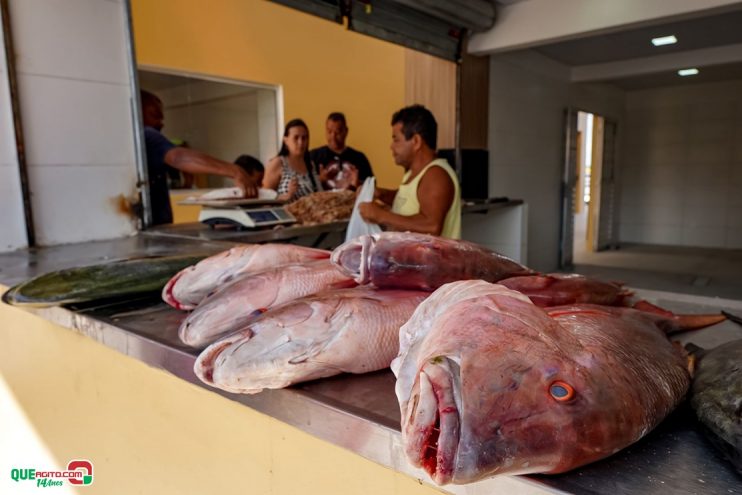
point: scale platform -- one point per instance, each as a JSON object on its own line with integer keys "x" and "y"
{"x": 245, "y": 217}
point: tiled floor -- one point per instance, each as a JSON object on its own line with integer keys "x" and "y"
{"x": 699, "y": 271}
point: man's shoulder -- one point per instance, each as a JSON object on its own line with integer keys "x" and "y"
{"x": 319, "y": 152}
{"x": 354, "y": 152}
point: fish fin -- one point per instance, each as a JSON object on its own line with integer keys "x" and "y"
{"x": 680, "y": 323}
{"x": 344, "y": 284}
{"x": 695, "y": 322}
{"x": 301, "y": 358}
{"x": 651, "y": 308}
{"x": 692, "y": 361}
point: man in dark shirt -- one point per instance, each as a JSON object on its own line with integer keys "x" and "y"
{"x": 345, "y": 168}
{"x": 161, "y": 153}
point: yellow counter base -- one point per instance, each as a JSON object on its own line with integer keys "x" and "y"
{"x": 147, "y": 431}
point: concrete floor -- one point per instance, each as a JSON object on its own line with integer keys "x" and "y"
{"x": 688, "y": 270}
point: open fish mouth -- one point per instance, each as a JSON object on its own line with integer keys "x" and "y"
{"x": 169, "y": 297}
{"x": 354, "y": 258}
{"x": 432, "y": 427}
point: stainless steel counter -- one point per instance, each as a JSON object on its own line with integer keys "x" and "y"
{"x": 360, "y": 412}
{"x": 326, "y": 236}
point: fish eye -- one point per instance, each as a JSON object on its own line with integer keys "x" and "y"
{"x": 561, "y": 391}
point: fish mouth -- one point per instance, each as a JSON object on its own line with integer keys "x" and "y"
{"x": 169, "y": 297}
{"x": 432, "y": 429}
{"x": 353, "y": 257}
{"x": 205, "y": 362}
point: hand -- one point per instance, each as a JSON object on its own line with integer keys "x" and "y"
{"x": 293, "y": 187}
{"x": 349, "y": 178}
{"x": 324, "y": 173}
{"x": 371, "y": 212}
{"x": 246, "y": 183}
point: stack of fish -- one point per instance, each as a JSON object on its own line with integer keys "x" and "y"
{"x": 499, "y": 369}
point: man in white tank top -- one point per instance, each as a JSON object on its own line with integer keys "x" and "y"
{"x": 429, "y": 198}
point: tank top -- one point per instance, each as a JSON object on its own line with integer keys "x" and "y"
{"x": 406, "y": 203}
{"x": 306, "y": 183}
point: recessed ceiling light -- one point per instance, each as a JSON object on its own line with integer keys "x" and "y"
{"x": 664, "y": 40}
{"x": 688, "y": 72}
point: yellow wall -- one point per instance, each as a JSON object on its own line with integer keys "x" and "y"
{"x": 147, "y": 431}
{"x": 321, "y": 66}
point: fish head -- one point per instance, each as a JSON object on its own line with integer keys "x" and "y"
{"x": 270, "y": 353}
{"x": 353, "y": 257}
{"x": 191, "y": 285}
{"x": 498, "y": 394}
{"x": 229, "y": 308}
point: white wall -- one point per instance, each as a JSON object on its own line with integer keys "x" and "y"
{"x": 682, "y": 175}
{"x": 75, "y": 105}
{"x": 529, "y": 94}
{"x": 223, "y": 120}
{"x": 528, "y": 97}
{"x": 12, "y": 223}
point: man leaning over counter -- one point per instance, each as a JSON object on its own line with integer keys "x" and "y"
{"x": 162, "y": 153}
{"x": 428, "y": 199}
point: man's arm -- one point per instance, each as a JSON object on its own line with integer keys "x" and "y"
{"x": 196, "y": 162}
{"x": 435, "y": 195}
{"x": 386, "y": 196}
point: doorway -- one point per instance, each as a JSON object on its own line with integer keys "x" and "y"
{"x": 589, "y": 214}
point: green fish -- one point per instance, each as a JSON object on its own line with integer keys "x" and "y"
{"x": 104, "y": 281}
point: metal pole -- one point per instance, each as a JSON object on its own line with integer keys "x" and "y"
{"x": 17, "y": 124}
{"x": 136, "y": 115}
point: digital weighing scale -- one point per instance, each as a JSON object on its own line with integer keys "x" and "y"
{"x": 242, "y": 213}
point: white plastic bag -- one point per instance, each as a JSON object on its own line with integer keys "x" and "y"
{"x": 357, "y": 226}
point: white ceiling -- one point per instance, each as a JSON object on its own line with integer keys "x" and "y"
{"x": 613, "y": 55}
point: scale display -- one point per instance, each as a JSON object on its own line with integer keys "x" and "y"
{"x": 262, "y": 216}
{"x": 244, "y": 217}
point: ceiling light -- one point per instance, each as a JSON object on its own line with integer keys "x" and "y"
{"x": 688, "y": 72}
{"x": 664, "y": 40}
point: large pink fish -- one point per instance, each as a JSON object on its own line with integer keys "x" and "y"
{"x": 567, "y": 288}
{"x": 191, "y": 285}
{"x": 407, "y": 260}
{"x": 234, "y": 305}
{"x": 351, "y": 330}
{"x": 488, "y": 383}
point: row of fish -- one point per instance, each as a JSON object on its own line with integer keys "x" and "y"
{"x": 534, "y": 374}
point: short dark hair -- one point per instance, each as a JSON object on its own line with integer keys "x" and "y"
{"x": 249, "y": 164}
{"x": 148, "y": 98}
{"x": 337, "y": 117}
{"x": 416, "y": 119}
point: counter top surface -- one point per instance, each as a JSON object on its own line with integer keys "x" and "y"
{"x": 360, "y": 412}
{"x": 196, "y": 230}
